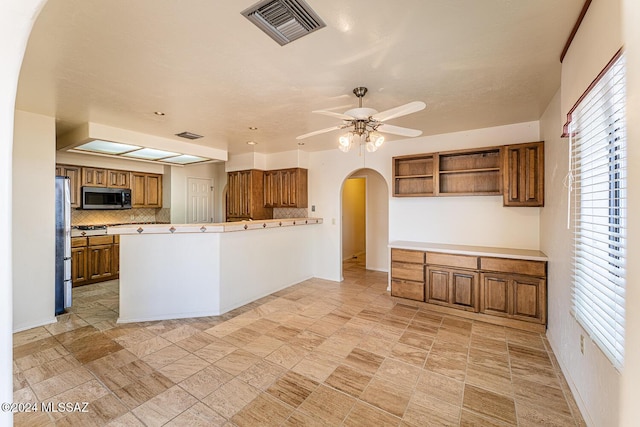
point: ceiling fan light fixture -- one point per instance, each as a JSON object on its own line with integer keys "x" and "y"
{"x": 376, "y": 139}
{"x": 371, "y": 147}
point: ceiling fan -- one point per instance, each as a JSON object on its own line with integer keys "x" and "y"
{"x": 365, "y": 124}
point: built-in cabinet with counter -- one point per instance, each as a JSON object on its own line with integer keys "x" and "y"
{"x": 94, "y": 259}
{"x": 514, "y": 171}
{"x": 495, "y": 285}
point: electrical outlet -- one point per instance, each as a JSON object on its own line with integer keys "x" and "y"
{"x": 582, "y": 344}
{"x": 313, "y": 208}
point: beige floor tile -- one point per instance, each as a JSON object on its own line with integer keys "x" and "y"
{"x": 387, "y": 396}
{"x": 349, "y": 380}
{"x": 263, "y": 346}
{"x": 180, "y": 333}
{"x": 292, "y": 388}
{"x": 302, "y": 419}
{"x": 61, "y": 383}
{"x": 262, "y": 375}
{"x": 471, "y": 419}
{"x": 164, "y": 356}
{"x": 399, "y": 373}
{"x": 196, "y": 341}
{"x": 183, "y": 368}
{"x": 231, "y": 397}
{"x": 29, "y": 336}
{"x": 328, "y": 404}
{"x": 149, "y": 346}
{"x": 143, "y": 389}
{"x": 440, "y": 387}
{"x": 241, "y": 337}
{"x": 126, "y": 420}
{"x": 165, "y": 406}
{"x": 431, "y": 411}
{"x": 264, "y": 410}
{"x": 489, "y": 404}
{"x": 287, "y": 356}
{"x": 199, "y": 415}
{"x": 534, "y": 416}
{"x": 532, "y": 393}
{"x": 215, "y": 351}
{"x": 204, "y": 382}
{"x": 364, "y": 415}
{"x": 409, "y": 354}
{"x": 50, "y": 369}
{"x": 317, "y": 365}
{"x": 237, "y": 362}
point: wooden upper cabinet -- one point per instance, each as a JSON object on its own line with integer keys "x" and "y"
{"x": 146, "y": 190}
{"x": 118, "y": 179}
{"x": 524, "y": 174}
{"x": 75, "y": 179}
{"x": 286, "y": 188}
{"x": 94, "y": 177}
{"x": 245, "y": 196}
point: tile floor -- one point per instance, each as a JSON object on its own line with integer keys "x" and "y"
{"x": 318, "y": 353}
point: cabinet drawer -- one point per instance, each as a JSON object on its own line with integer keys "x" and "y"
{"x": 100, "y": 240}
{"x": 517, "y": 266}
{"x": 413, "y": 272}
{"x": 407, "y": 289}
{"x": 78, "y": 242}
{"x": 404, "y": 255}
{"x": 449, "y": 260}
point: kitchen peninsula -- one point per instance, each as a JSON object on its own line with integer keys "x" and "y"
{"x": 171, "y": 271}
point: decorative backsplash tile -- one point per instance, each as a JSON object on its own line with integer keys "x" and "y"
{"x": 126, "y": 216}
{"x": 290, "y": 213}
{"x": 163, "y": 215}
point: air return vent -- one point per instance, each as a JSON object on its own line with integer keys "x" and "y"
{"x": 284, "y": 20}
{"x": 188, "y": 135}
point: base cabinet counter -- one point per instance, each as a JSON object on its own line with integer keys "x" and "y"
{"x": 502, "y": 286}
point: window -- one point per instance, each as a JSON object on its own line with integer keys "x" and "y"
{"x": 598, "y": 139}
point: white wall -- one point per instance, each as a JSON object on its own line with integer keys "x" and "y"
{"x": 16, "y": 21}
{"x": 177, "y": 178}
{"x": 630, "y": 410}
{"x": 354, "y": 209}
{"x": 480, "y": 220}
{"x": 33, "y": 220}
{"x": 594, "y": 381}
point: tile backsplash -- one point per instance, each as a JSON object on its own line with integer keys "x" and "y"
{"x": 290, "y": 213}
{"x": 126, "y": 216}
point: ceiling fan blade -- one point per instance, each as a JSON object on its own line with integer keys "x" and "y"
{"x": 318, "y": 132}
{"x": 397, "y": 130}
{"x": 402, "y": 110}
{"x": 333, "y": 114}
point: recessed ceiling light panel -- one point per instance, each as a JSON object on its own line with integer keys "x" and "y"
{"x": 252, "y": 143}
{"x": 107, "y": 147}
{"x": 151, "y": 154}
{"x": 185, "y": 159}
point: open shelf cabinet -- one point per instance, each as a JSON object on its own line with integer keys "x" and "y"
{"x": 414, "y": 175}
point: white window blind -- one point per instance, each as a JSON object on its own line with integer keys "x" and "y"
{"x": 599, "y": 175}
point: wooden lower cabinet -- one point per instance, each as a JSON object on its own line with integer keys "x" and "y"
{"x": 514, "y": 296}
{"x": 79, "y": 266}
{"x": 504, "y": 291}
{"x": 94, "y": 259}
{"x": 452, "y": 287}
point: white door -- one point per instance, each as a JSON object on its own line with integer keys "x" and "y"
{"x": 199, "y": 200}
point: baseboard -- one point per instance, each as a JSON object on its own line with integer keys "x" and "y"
{"x": 35, "y": 325}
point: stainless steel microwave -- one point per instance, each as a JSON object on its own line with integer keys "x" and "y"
{"x": 105, "y": 198}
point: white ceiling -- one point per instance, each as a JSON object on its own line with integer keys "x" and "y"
{"x": 475, "y": 63}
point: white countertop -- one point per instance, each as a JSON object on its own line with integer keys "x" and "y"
{"x": 525, "y": 254}
{"x": 220, "y": 227}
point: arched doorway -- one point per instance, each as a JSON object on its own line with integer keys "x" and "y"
{"x": 365, "y": 220}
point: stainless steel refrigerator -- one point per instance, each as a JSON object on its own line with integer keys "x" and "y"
{"x": 63, "y": 244}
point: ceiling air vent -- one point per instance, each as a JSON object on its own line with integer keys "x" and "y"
{"x": 284, "y": 20}
{"x": 188, "y": 135}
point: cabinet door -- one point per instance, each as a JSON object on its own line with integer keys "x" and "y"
{"x": 438, "y": 284}
{"x": 118, "y": 179}
{"x": 153, "y": 191}
{"x": 529, "y": 298}
{"x": 288, "y": 192}
{"x": 75, "y": 180}
{"x": 464, "y": 290}
{"x": 94, "y": 177}
{"x": 271, "y": 189}
{"x": 452, "y": 287}
{"x": 100, "y": 262}
{"x": 495, "y": 294}
{"x": 138, "y": 182}
{"x": 79, "y": 266}
{"x": 523, "y": 175}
